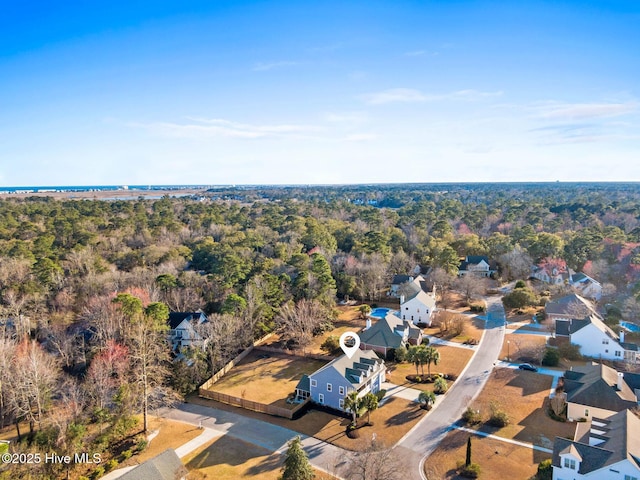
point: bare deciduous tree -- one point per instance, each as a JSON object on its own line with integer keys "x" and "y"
{"x": 298, "y": 322}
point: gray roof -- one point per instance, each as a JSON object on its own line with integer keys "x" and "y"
{"x": 349, "y": 368}
{"x": 568, "y": 305}
{"x": 621, "y": 440}
{"x": 400, "y": 279}
{"x": 304, "y": 384}
{"x": 419, "y": 288}
{"x": 166, "y": 466}
{"x": 387, "y": 332}
{"x": 595, "y": 385}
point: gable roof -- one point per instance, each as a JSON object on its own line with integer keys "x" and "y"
{"x": 620, "y": 441}
{"x": 352, "y": 368}
{"x": 387, "y": 332}
{"x": 400, "y": 279}
{"x": 176, "y": 318}
{"x": 473, "y": 260}
{"x": 595, "y": 385}
{"x": 418, "y": 288}
{"x": 166, "y": 466}
{"x": 568, "y": 305}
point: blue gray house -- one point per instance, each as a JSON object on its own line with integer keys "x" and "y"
{"x": 328, "y": 386}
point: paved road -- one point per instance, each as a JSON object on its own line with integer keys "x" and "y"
{"x": 423, "y": 439}
{"x": 274, "y": 438}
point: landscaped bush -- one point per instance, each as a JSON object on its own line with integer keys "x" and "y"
{"x": 551, "y": 357}
{"x": 468, "y": 471}
{"x": 570, "y": 351}
{"x": 380, "y": 394}
{"x": 142, "y": 444}
{"x": 477, "y": 307}
{"x": 499, "y": 417}
{"x": 471, "y": 416}
{"x": 110, "y": 465}
{"x": 331, "y": 344}
{"x": 98, "y": 472}
{"x": 127, "y": 454}
{"x": 520, "y": 298}
{"x": 440, "y": 386}
{"x": 400, "y": 354}
{"x": 545, "y": 470}
{"x": 520, "y": 284}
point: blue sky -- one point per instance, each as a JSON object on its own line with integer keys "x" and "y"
{"x": 192, "y": 92}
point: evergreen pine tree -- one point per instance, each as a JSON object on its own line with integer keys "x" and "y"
{"x": 468, "y": 461}
{"x": 296, "y": 464}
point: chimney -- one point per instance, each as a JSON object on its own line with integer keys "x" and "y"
{"x": 368, "y": 324}
{"x": 401, "y": 299}
{"x": 620, "y": 380}
{"x": 434, "y": 290}
{"x": 621, "y": 336}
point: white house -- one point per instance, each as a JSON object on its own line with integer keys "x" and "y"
{"x": 594, "y": 337}
{"x": 552, "y": 270}
{"x": 601, "y": 449}
{"x": 586, "y": 286}
{"x": 182, "y": 331}
{"x": 416, "y": 302}
{"x": 477, "y": 265}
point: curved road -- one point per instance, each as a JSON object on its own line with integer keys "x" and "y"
{"x": 423, "y": 439}
{"x": 413, "y": 449}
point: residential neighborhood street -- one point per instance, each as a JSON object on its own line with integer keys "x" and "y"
{"x": 423, "y": 439}
{"x": 418, "y": 444}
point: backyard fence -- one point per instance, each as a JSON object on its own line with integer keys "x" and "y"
{"x": 293, "y": 353}
{"x": 250, "y": 405}
{"x": 221, "y": 373}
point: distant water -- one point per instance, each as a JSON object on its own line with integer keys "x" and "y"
{"x": 94, "y": 188}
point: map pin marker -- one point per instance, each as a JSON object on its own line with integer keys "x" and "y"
{"x": 350, "y": 349}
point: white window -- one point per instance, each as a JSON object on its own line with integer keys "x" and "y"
{"x": 570, "y": 463}
{"x": 629, "y": 477}
{"x": 586, "y": 412}
{"x": 320, "y": 398}
{"x": 618, "y": 353}
{"x": 418, "y": 310}
{"x": 329, "y": 387}
{"x": 605, "y": 342}
{"x": 314, "y": 383}
{"x": 341, "y": 390}
{"x": 341, "y": 403}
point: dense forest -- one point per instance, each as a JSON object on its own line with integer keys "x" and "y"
{"x": 86, "y": 286}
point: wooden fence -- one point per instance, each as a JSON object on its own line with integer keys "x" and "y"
{"x": 221, "y": 373}
{"x": 293, "y": 353}
{"x": 251, "y": 405}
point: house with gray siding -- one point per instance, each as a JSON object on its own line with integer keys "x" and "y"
{"x": 329, "y": 385}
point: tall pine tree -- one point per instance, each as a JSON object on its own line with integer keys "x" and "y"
{"x": 296, "y": 464}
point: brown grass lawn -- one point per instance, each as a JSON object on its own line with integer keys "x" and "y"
{"x": 523, "y": 396}
{"x": 227, "y": 458}
{"x": 266, "y": 380}
{"x": 472, "y": 330}
{"x": 452, "y": 361}
{"x": 496, "y": 459}
{"x": 390, "y": 422}
{"x": 522, "y": 345}
{"x": 349, "y": 319}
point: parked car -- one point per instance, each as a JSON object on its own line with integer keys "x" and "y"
{"x": 527, "y": 366}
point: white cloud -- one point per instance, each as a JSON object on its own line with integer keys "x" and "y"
{"x": 409, "y": 95}
{"x": 263, "y": 67}
{"x": 206, "y": 128}
{"x": 360, "y": 137}
{"x": 582, "y": 111}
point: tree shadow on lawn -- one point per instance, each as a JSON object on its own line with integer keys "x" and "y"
{"x": 541, "y": 430}
{"x": 270, "y": 464}
{"x": 227, "y": 451}
{"x": 530, "y": 382}
{"x": 404, "y": 417}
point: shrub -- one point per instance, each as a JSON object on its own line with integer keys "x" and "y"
{"x": 400, "y": 354}
{"x": 522, "y": 297}
{"x": 471, "y": 416}
{"x": 551, "y": 357}
{"x": 127, "y": 454}
{"x": 570, "y": 351}
{"x": 98, "y": 472}
{"x": 520, "y": 284}
{"x": 499, "y": 417}
{"x": 545, "y": 470}
{"x": 142, "y": 444}
{"x": 440, "y": 385}
{"x": 331, "y": 344}
{"x": 477, "y": 307}
{"x": 469, "y": 471}
{"x": 380, "y": 394}
{"x": 110, "y": 465}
